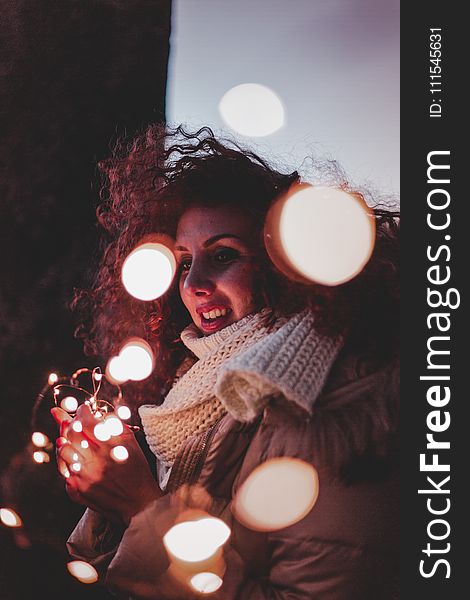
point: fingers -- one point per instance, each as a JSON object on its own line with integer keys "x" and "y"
{"x": 72, "y": 458}
{"x": 62, "y": 418}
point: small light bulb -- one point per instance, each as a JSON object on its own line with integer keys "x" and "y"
{"x": 119, "y": 453}
{"x": 77, "y": 426}
{"x": 40, "y": 440}
{"x": 83, "y": 571}
{"x": 101, "y": 432}
{"x": 114, "y": 426}
{"x": 41, "y": 457}
{"x": 75, "y": 456}
{"x": 53, "y": 378}
{"x": 76, "y": 466}
{"x": 84, "y": 444}
{"x": 124, "y": 412}
{"x": 69, "y": 404}
{"x": 10, "y": 518}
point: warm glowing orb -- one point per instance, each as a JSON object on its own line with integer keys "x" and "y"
{"x": 148, "y": 271}
{"x": 10, "y": 518}
{"x": 114, "y": 425}
{"x": 69, "y": 404}
{"x": 77, "y": 467}
{"x": 206, "y": 583}
{"x": 252, "y": 110}
{"x": 322, "y": 234}
{"x": 77, "y": 426}
{"x": 135, "y": 362}
{"x": 40, "y": 440}
{"x": 119, "y": 453}
{"x": 124, "y": 412}
{"x": 84, "y": 444}
{"x": 101, "y": 432}
{"x": 41, "y": 457}
{"x": 138, "y": 359}
{"x": 116, "y": 370}
{"x": 53, "y": 378}
{"x": 277, "y": 494}
{"x": 82, "y": 571}
{"x": 194, "y": 541}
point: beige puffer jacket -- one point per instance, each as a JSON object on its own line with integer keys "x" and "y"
{"x": 346, "y": 548}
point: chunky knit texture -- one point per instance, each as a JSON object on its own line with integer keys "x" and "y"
{"x": 191, "y": 406}
{"x": 238, "y": 369}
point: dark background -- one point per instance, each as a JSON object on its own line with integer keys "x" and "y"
{"x": 75, "y": 74}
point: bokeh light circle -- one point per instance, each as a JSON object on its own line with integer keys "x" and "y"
{"x": 119, "y": 453}
{"x": 124, "y": 412}
{"x": 148, "y": 271}
{"x": 83, "y": 571}
{"x": 135, "y": 362}
{"x": 206, "y": 583}
{"x": 194, "y": 541}
{"x": 39, "y": 439}
{"x": 252, "y": 110}
{"x": 69, "y": 404}
{"x": 10, "y": 518}
{"x": 277, "y": 494}
{"x": 320, "y": 234}
{"x": 137, "y": 357}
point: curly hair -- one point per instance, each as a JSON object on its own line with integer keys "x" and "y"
{"x": 148, "y": 184}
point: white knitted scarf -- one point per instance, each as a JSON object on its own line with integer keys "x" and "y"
{"x": 239, "y": 368}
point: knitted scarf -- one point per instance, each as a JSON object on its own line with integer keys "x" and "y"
{"x": 239, "y": 368}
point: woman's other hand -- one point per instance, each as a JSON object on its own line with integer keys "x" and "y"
{"x": 116, "y": 489}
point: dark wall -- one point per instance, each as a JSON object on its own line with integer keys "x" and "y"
{"x": 74, "y": 74}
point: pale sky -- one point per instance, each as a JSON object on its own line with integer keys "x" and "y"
{"x": 333, "y": 63}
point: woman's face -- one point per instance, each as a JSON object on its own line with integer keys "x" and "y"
{"x": 215, "y": 251}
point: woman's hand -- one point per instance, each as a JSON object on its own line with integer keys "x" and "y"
{"x": 118, "y": 490}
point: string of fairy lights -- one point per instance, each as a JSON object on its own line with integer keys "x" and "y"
{"x": 320, "y": 234}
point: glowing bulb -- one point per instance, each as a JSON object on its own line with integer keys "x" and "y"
{"x": 84, "y": 444}
{"x": 66, "y": 473}
{"x": 83, "y": 571}
{"x": 206, "y": 583}
{"x": 137, "y": 357}
{"x": 76, "y": 466}
{"x": 53, "y": 378}
{"x": 77, "y": 426}
{"x": 74, "y": 456}
{"x": 276, "y": 494}
{"x": 252, "y": 109}
{"x": 322, "y": 234}
{"x": 98, "y": 376}
{"x": 40, "y": 440}
{"x": 114, "y": 426}
{"x": 124, "y": 412}
{"x": 116, "y": 370}
{"x": 41, "y": 457}
{"x": 194, "y": 541}
{"x": 119, "y": 453}
{"x": 10, "y": 518}
{"x": 148, "y": 271}
{"x": 69, "y": 403}
{"x": 101, "y": 432}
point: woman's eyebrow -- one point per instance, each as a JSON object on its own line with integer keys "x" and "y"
{"x": 213, "y": 240}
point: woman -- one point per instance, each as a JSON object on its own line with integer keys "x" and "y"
{"x": 251, "y": 366}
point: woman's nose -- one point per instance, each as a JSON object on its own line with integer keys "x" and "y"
{"x": 197, "y": 281}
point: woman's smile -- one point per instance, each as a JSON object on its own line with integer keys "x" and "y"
{"x": 217, "y": 268}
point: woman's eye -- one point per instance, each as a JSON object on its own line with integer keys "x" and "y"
{"x": 226, "y": 255}
{"x": 185, "y": 265}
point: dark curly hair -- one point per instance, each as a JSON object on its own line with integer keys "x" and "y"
{"x": 147, "y": 185}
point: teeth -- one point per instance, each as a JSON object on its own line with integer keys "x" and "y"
{"x": 213, "y": 314}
